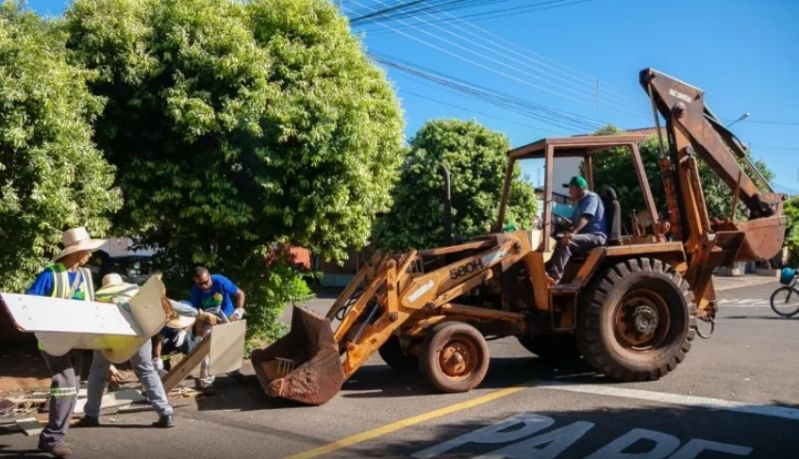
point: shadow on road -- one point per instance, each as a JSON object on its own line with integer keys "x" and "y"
{"x": 580, "y": 433}
{"x": 380, "y": 381}
{"x": 772, "y": 317}
{"x": 5, "y": 451}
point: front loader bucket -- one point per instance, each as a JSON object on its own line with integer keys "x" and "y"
{"x": 304, "y": 365}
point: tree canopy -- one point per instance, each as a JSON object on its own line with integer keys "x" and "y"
{"x": 476, "y": 159}
{"x": 234, "y": 124}
{"x": 614, "y": 168}
{"x": 237, "y": 125}
{"x": 792, "y": 230}
{"x": 51, "y": 174}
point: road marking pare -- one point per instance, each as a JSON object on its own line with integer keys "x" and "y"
{"x": 519, "y": 437}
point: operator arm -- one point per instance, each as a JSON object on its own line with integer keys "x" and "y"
{"x": 578, "y": 226}
{"x": 240, "y": 297}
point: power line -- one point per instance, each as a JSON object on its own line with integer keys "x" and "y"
{"x": 486, "y": 57}
{"x": 484, "y": 15}
{"x": 470, "y": 110}
{"x": 532, "y": 56}
{"x": 566, "y": 73}
{"x": 777, "y": 123}
{"x": 553, "y": 75}
{"x": 554, "y": 117}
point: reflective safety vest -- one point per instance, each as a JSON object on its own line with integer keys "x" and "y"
{"x": 62, "y": 286}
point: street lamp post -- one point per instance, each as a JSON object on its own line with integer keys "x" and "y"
{"x": 740, "y": 118}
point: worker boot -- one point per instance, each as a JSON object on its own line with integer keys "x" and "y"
{"x": 166, "y": 421}
{"x": 88, "y": 421}
{"x": 62, "y": 449}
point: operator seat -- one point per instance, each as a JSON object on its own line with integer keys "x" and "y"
{"x": 612, "y": 215}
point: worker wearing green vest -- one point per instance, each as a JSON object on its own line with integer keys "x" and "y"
{"x": 64, "y": 278}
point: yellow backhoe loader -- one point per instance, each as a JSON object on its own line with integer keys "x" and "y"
{"x": 630, "y": 307}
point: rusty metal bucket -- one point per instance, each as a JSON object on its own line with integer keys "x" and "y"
{"x": 304, "y": 365}
{"x": 763, "y": 237}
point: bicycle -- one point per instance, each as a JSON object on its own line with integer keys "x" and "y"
{"x": 785, "y": 300}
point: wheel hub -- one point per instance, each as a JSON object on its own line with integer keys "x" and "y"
{"x": 641, "y": 320}
{"x": 645, "y": 319}
{"x": 457, "y": 359}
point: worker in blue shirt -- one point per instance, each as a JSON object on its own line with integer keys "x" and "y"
{"x": 588, "y": 229}
{"x": 64, "y": 278}
{"x": 218, "y": 300}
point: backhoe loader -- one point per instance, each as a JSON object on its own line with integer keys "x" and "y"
{"x": 630, "y": 308}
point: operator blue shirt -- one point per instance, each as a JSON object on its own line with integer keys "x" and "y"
{"x": 592, "y": 206}
{"x": 44, "y": 285}
{"x": 221, "y": 295}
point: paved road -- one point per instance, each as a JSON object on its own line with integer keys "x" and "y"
{"x": 736, "y": 395}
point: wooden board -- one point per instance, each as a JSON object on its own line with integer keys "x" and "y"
{"x": 185, "y": 367}
{"x": 227, "y": 347}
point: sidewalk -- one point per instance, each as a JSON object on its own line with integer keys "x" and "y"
{"x": 747, "y": 280}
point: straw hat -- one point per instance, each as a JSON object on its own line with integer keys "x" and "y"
{"x": 115, "y": 289}
{"x": 185, "y": 315}
{"x": 76, "y": 240}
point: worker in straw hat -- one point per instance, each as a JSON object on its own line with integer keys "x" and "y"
{"x": 115, "y": 290}
{"x": 64, "y": 278}
{"x": 176, "y": 336}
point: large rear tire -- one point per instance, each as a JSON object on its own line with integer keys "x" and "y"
{"x": 637, "y": 322}
{"x": 392, "y": 353}
{"x": 454, "y": 357}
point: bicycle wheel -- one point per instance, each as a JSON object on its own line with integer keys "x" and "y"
{"x": 785, "y": 301}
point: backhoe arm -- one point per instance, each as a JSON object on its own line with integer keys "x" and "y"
{"x": 683, "y": 106}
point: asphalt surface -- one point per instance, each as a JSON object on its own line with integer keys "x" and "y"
{"x": 735, "y": 395}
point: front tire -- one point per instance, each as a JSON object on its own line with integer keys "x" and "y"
{"x": 454, "y": 357}
{"x": 638, "y": 321}
{"x": 785, "y": 302}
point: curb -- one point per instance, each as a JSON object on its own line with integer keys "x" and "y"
{"x": 741, "y": 282}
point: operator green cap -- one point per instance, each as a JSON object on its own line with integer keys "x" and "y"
{"x": 577, "y": 181}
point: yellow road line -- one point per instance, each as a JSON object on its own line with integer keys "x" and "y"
{"x": 403, "y": 423}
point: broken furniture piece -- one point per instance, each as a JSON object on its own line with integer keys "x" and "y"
{"x": 225, "y": 345}
{"x": 117, "y": 330}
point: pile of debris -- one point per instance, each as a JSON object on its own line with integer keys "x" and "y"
{"x": 28, "y": 412}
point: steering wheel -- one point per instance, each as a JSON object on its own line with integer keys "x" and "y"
{"x": 560, "y": 224}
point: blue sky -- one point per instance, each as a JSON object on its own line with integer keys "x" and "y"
{"x": 743, "y": 53}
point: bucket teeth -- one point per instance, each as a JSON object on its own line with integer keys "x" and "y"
{"x": 304, "y": 365}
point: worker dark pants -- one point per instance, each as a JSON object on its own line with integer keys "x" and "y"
{"x": 580, "y": 244}
{"x": 63, "y": 395}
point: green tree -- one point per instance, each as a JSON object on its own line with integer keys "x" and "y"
{"x": 792, "y": 230}
{"x": 236, "y": 125}
{"x": 51, "y": 174}
{"x": 476, "y": 159}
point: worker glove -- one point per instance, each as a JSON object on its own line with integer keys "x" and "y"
{"x": 158, "y": 364}
{"x": 237, "y": 314}
{"x": 208, "y": 318}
